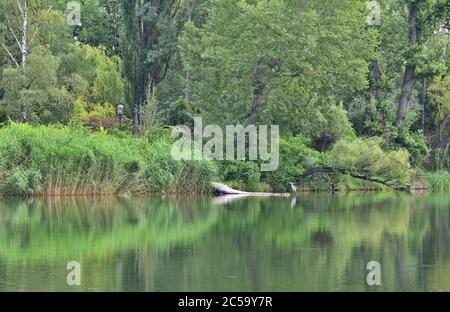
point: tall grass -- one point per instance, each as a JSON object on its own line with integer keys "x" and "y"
{"x": 52, "y": 160}
{"x": 439, "y": 180}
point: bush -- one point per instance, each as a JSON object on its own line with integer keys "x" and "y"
{"x": 416, "y": 145}
{"x": 241, "y": 171}
{"x": 365, "y": 157}
{"x": 99, "y": 117}
{"x": 295, "y": 158}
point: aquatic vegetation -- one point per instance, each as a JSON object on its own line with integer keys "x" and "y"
{"x": 57, "y": 160}
{"x": 439, "y": 180}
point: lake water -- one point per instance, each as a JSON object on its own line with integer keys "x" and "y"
{"x": 318, "y": 242}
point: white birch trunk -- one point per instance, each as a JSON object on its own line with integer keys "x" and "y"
{"x": 24, "y": 45}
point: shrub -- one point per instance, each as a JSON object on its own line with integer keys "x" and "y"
{"x": 415, "y": 144}
{"x": 96, "y": 118}
{"x": 295, "y": 158}
{"x": 365, "y": 157}
{"x": 241, "y": 171}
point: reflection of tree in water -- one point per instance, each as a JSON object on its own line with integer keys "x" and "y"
{"x": 435, "y": 251}
{"x": 326, "y": 241}
{"x": 311, "y": 244}
{"x": 321, "y": 238}
{"x": 322, "y": 243}
{"x": 96, "y": 225}
{"x": 114, "y": 238}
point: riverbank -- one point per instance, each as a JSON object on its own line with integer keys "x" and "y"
{"x": 346, "y": 183}
{"x": 59, "y": 160}
{"x": 52, "y": 160}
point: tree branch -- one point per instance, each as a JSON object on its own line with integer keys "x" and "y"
{"x": 12, "y": 33}
{"x": 20, "y": 7}
{"x": 172, "y": 12}
{"x": 329, "y": 170}
{"x": 10, "y": 55}
{"x": 38, "y": 26}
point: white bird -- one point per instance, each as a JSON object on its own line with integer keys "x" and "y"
{"x": 293, "y": 188}
{"x": 293, "y": 202}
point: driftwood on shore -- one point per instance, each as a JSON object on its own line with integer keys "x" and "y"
{"x": 222, "y": 189}
{"x": 329, "y": 170}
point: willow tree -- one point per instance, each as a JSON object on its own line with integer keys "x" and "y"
{"x": 148, "y": 43}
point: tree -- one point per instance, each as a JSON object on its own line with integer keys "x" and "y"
{"x": 22, "y": 19}
{"x": 425, "y": 17}
{"x": 278, "y": 62}
{"x": 95, "y": 81}
{"x": 149, "y": 41}
{"x": 439, "y": 92}
{"x": 35, "y": 87}
{"x": 100, "y": 22}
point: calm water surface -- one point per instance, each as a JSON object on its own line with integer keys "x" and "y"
{"x": 319, "y": 242}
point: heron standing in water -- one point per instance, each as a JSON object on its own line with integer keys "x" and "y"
{"x": 293, "y": 188}
{"x": 294, "y": 193}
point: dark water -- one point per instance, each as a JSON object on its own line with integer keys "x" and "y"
{"x": 321, "y": 242}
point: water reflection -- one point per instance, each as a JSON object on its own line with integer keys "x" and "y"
{"x": 318, "y": 242}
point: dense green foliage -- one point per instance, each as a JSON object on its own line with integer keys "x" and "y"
{"x": 61, "y": 160}
{"x": 371, "y": 100}
{"x": 366, "y": 158}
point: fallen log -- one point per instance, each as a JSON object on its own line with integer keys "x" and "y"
{"x": 222, "y": 189}
{"x": 329, "y": 170}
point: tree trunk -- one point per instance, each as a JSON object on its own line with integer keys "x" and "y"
{"x": 113, "y": 9}
{"x": 377, "y": 79}
{"x": 408, "y": 78}
{"x": 222, "y": 189}
{"x": 330, "y": 170}
{"x": 405, "y": 96}
{"x": 137, "y": 98}
{"x": 424, "y": 103}
{"x": 187, "y": 91}
{"x": 443, "y": 144}
{"x": 138, "y": 101}
{"x": 24, "y": 45}
{"x": 367, "y": 113}
{"x": 136, "y": 126}
{"x": 258, "y": 87}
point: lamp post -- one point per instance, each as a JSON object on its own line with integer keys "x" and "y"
{"x": 120, "y": 111}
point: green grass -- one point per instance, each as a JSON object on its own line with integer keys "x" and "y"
{"x": 56, "y": 160}
{"x": 439, "y": 180}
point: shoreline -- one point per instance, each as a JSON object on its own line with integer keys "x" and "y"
{"x": 213, "y": 195}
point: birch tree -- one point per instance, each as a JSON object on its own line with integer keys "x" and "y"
{"x": 19, "y": 16}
